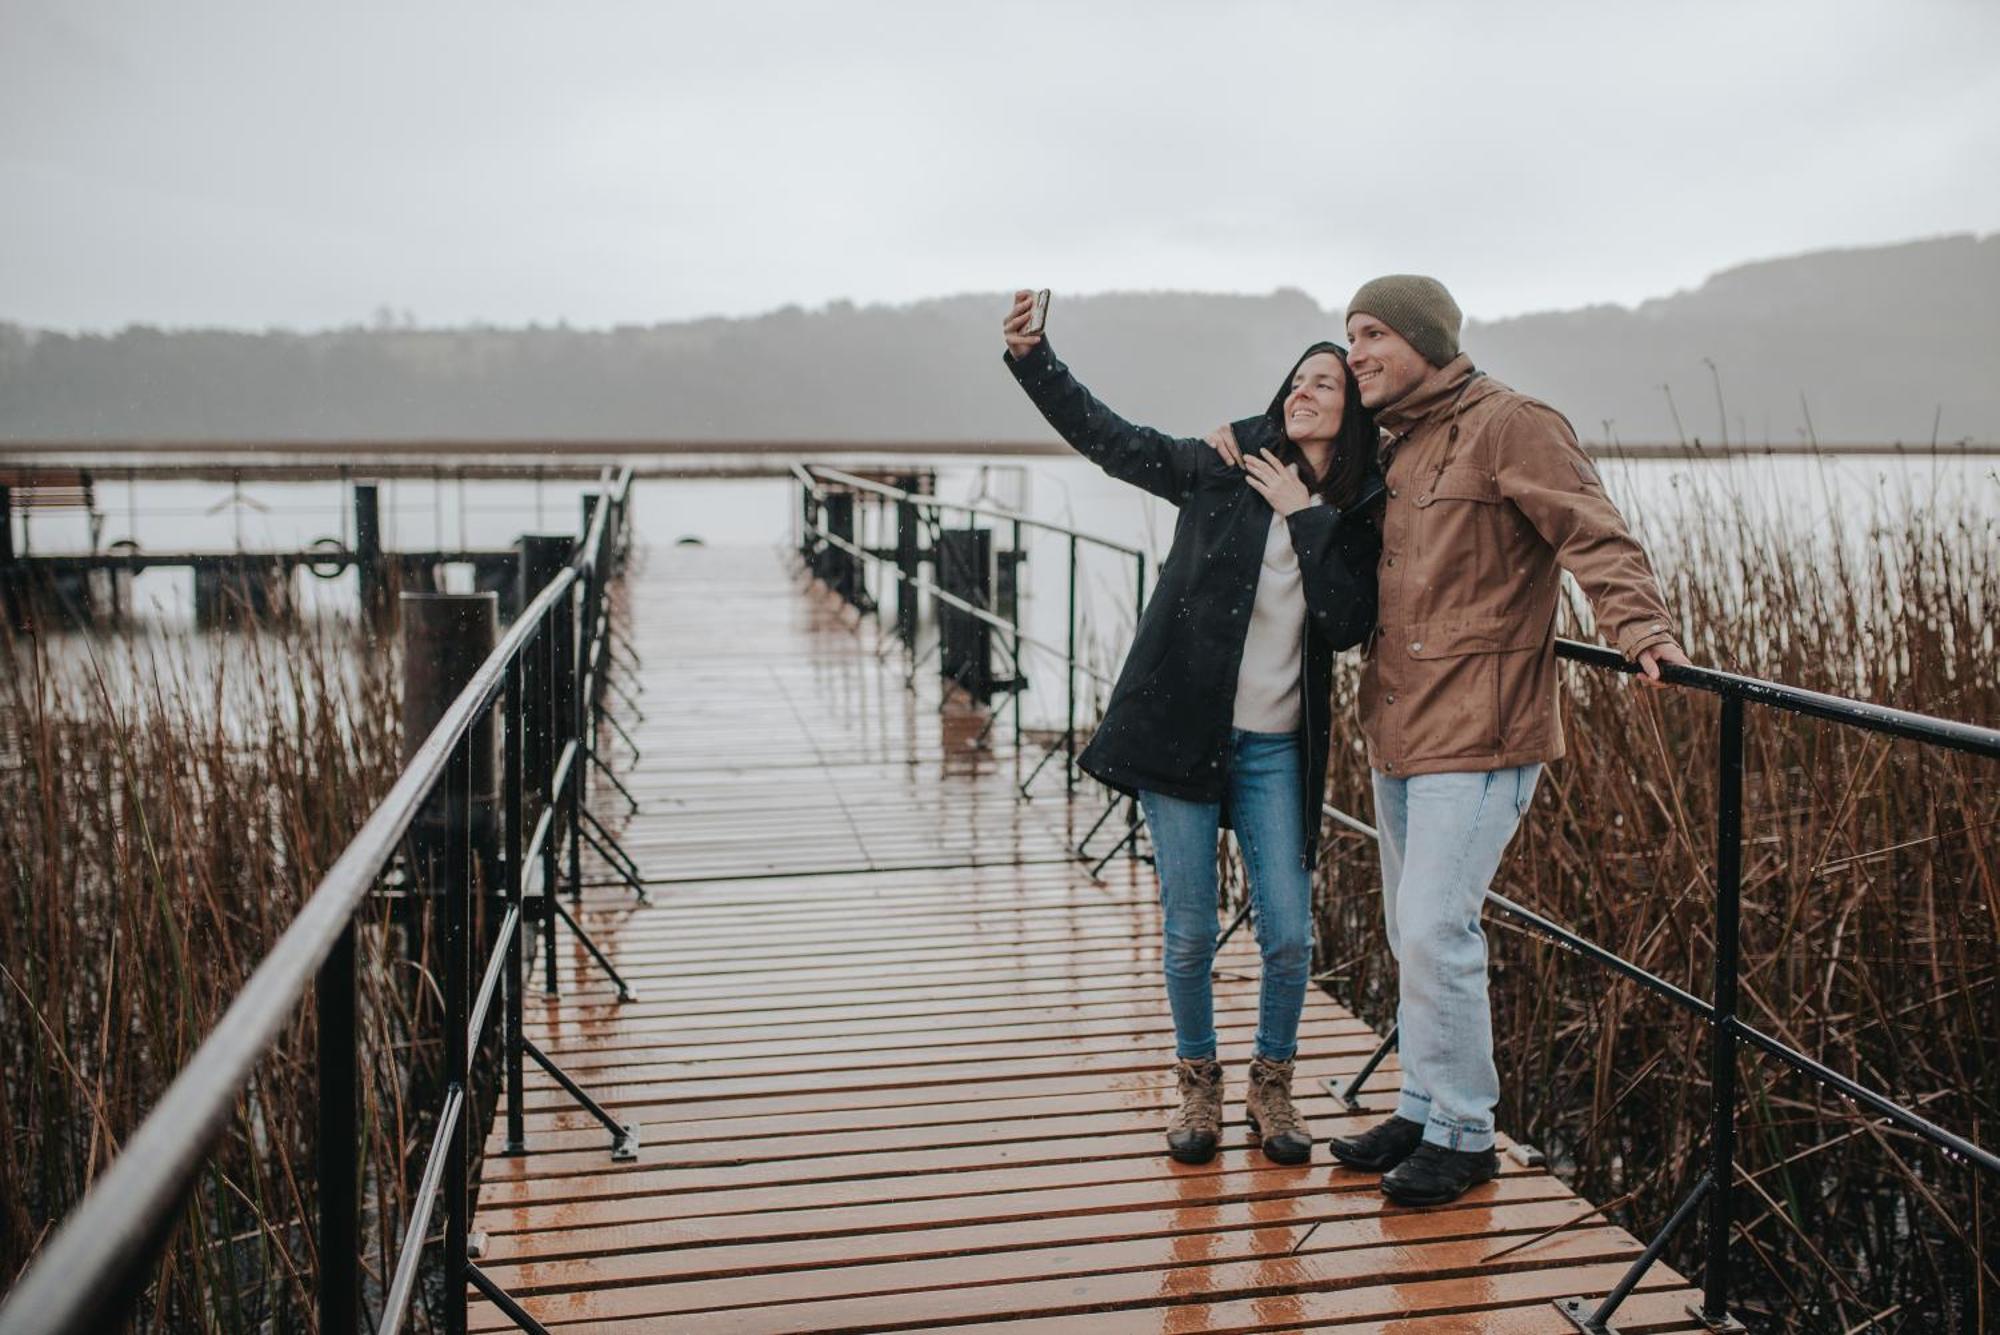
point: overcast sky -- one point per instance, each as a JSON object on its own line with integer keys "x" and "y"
{"x": 278, "y": 163}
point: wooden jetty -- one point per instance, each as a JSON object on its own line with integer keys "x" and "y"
{"x": 900, "y": 1063}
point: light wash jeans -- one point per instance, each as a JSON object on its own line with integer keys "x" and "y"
{"x": 1441, "y": 837}
{"x": 1265, "y": 782}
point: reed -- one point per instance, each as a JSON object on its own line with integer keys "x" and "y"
{"x": 166, "y": 804}
{"x": 1871, "y": 913}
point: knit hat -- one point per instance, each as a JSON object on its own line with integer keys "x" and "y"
{"x": 1416, "y": 307}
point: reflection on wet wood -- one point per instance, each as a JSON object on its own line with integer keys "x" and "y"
{"x": 900, "y": 1064}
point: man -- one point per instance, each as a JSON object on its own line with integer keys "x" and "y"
{"x": 1489, "y": 499}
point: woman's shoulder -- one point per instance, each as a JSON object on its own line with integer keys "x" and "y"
{"x": 1252, "y": 434}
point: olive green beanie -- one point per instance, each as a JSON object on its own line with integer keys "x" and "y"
{"x": 1416, "y": 307}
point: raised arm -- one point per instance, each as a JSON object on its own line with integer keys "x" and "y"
{"x": 1161, "y": 464}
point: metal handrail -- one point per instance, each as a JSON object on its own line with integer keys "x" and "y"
{"x": 820, "y": 534}
{"x": 855, "y": 483}
{"x": 1728, "y": 1030}
{"x": 91, "y": 1267}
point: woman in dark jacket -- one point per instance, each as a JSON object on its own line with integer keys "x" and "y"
{"x": 1220, "y": 715}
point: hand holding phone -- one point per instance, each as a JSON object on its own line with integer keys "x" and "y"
{"x": 1040, "y": 316}
{"x": 1025, "y": 321}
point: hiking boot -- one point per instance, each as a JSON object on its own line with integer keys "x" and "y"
{"x": 1381, "y": 1147}
{"x": 1282, "y": 1133}
{"x": 1192, "y": 1133}
{"x": 1433, "y": 1174}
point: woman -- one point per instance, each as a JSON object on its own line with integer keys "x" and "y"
{"x": 1220, "y": 715}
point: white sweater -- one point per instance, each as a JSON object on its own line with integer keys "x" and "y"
{"x": 1267, "y": 683}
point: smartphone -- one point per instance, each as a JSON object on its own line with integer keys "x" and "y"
{"x": 1041, "y": 315}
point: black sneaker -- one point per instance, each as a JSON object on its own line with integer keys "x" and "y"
{"x": 1379, "y": 1148}
{"x": 1433, "y": 1175}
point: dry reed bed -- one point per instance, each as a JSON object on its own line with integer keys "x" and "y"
{"x": 165, "y": 806}
{"x": 1870, "y": 930}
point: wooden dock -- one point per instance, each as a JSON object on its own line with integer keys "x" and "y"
{"x": 899, "y": 1063}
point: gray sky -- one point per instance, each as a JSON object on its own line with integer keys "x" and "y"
{"x": 280, "y": 163}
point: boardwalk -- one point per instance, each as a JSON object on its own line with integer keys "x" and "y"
{"x": 899, "y": 1063}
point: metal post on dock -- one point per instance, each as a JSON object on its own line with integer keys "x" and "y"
{"x": 455, "y": 887}
{"x": 368, "y": 564}
{"x": 1069, "y": 684}
{"x": 338, "y": 1153}
{"x": 13, "y": 586}
{"x": 588, "y": 623}
{"x": 841, "y": 569}
{"x": 513, "y": 716}
{"x": 543, "y": 556}
{"x": 1714, "y": 1311}
{"x": 909, "y": 560}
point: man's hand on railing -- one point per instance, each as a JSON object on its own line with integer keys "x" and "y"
{"x": 1651, "y": 660}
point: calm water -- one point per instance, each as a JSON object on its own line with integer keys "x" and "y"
{"x": 1866, "y": 499}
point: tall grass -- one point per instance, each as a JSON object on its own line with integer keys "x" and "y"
{"x": 1871, "y": 914}
{"x": 165, "y": 806}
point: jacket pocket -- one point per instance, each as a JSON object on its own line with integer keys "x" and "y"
{"x": 1450, "y": 637}
{"x": 1457, "y": 681}
{"x": 1460, "y": 484}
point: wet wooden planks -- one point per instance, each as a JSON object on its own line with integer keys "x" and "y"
{"x": 899, "y": 1064}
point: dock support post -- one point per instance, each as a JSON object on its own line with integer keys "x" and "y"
{"x": 965, "y": 570}
{"x": 446, "y": 636}
{"x": 368, "y": 563}
{"x": 13, "y": 586}
{"x": 543, "y": 557}
{"x": 909, "y": 560}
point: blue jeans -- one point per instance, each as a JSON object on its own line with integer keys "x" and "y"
{"x": 1441, "y": 837}
{"x": 1265, "y": 783}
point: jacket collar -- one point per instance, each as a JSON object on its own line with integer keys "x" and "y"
{"x": 1446, "y": 389}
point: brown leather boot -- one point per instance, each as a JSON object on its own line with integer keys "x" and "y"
{"x": 1282, "y": 1133}
{"x": 1192, "y": 1133}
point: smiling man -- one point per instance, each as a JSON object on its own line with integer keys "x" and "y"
{"x": 1489, "y": 500}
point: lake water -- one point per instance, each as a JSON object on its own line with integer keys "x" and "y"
{"x": 1867, "y": 499}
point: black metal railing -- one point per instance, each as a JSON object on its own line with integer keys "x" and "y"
{"x": 545, "y": 684}
{"x": 831, "y": 544}
{"x": 1728, "y": 1031}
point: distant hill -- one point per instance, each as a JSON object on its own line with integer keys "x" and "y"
{"x": 1877, "y": 340}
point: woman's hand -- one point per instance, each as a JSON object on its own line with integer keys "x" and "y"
{"x": 1277, "y": 483}
{"x": 1018, "y": 343}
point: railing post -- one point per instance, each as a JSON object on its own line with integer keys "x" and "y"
{"x": 337, "y": 1161}
{"x": 1722, "y": 1053}
{"x": 965, "y": 642}
{"x": 542, "y": 558}
{"x": 841, "y": 567}
{"x": 512, "y": 719}
{"x": 368, "y": 562}
{"x": 1012, "y": 586}
{"x": 569, "y": 709}
{"x": 457, "y": 898}
{"x": 909, "y": 561}
{"x": 586, "y": 717}
{"x": 546, "y": 709}
{"x": 1069, "y": 688}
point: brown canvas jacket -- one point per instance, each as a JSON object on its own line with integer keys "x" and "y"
{"x": 1490, "y": 498}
